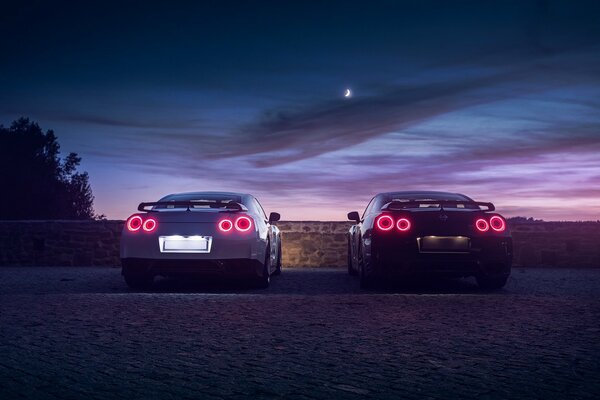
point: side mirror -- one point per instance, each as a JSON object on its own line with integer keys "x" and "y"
{"x": 274, "y": 217}
{"x": 354, "y": 216}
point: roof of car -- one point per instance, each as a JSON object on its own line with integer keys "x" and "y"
{"x": 200, "y": 194}
{"x": 210, "y": 193}
{"x": 422, "y": 194}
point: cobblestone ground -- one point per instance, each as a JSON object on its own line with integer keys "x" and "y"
{"x": 80, "y": 333}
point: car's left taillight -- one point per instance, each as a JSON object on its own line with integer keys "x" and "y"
{"x": 136, "y": 222}
{"x": 149, "y": 225}
{"x": 403, "y": 224}
{"x": 386, "y": 223}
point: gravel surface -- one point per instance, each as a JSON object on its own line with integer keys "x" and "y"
{"x": 81, "y": 333}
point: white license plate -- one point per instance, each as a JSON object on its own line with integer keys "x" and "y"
{"x": 185, "y": 244}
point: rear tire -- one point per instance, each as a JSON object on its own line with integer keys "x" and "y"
{"x": 278, "y": 264}
{"x": 366, "y": 282}
{"x": 491, "y": 283}
{"x": 351, "y": 270}
{"x": 265, "y": 280}
{"x": 138, "y": 280}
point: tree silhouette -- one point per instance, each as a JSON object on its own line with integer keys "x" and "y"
{"x": 35, "y": 182}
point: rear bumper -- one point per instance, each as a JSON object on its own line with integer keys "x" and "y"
{"x": 491, "y": 256}
{"x": 223, "y": 247}
{"x": 240, "y": 268}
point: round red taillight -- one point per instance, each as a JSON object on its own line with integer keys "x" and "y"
{"x": 149, "y": 225}
{"x": 243, "y": 224}
{"x": 497, "y": 223}
{"x": 403, "y": 224}
{"x": 134, "y": 223}
{"x": 385, "y": 222}
{"x": 225, "y": 225}
{"x": 482, "y": 225}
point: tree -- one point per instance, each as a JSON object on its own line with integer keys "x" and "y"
{"x": 521, "y": 220}
{"x": 35, "y": 182}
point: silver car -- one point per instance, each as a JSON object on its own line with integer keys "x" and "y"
{"x": 201, "y": 233}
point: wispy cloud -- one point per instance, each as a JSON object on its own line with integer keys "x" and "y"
{"x": 524, "y": 134}
{"x": 291, "y": 133}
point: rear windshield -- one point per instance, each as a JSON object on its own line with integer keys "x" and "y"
{"x": 402, "y": 197}
{"x": 424, "y": 196}
{"x": 208, "y": 200}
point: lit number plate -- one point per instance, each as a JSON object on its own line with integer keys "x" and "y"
{"x": 185, "y": 244}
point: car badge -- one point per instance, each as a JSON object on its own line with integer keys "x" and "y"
{"x": 443, "y": 217}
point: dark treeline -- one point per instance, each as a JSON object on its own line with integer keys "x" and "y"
{"x": 35, "y": 182}
{"x": 518, "y": 220}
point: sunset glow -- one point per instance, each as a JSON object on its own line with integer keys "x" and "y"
{"x": 498, "y": 103}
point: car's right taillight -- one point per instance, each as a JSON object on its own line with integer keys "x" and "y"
{"x": 242, "y": 224}
{"x": 225, "y": 225}
{"x": 497, "y": 223}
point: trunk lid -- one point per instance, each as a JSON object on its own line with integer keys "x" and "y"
{"x": 429, "y": 221}
{"x": 193, "y": 215}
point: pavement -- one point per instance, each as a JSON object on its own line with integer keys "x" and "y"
{"x": 73, "y": 333}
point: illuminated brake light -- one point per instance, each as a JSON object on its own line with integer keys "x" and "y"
{"x": 225, "y": 225}
{"x": 149, "y": 225}
{"x": 385, "y": 222}
{"x": 243, "y": 224}
{"x": 134, "y": 223}
{"x": 497, "y": 223}
{"x": 403, "y": 224}
{"x": 482, "y": 225}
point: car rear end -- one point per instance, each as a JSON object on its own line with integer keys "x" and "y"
{"x": 191, "y": 241}
{"x": 433, "y": 240}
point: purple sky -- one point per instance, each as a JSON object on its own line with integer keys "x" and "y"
{"x": 499, "y": 101}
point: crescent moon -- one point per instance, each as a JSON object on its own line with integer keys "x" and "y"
{"x": 348, "y": 93}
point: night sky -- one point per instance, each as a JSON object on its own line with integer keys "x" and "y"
{"x": 497, "y": 100}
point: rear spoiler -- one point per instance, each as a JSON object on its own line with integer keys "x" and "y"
{"x": 229, "y": 206}
{"x": 400, "y": 205}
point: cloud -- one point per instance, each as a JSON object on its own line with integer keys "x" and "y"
{"x": 513, "y": 135}
{"x": 513, "y": 138}
{"x": 288, "y": 134}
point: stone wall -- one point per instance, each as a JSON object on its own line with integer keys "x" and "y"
{"x": 60, "y": 243}
{"x": 305, "y": 244}
{"x": 543, "y": 244}
{"x": 314, "y": 244}
{"x": 557, "y": 244}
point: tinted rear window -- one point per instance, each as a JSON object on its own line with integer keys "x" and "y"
{"x": 424, "y": 196}
{"x": 216, "y": 200}
{"x": 200, "y": 197}
{"x": 417, "y": 196}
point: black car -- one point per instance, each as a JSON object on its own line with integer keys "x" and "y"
{"x": 421, "y": 233}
